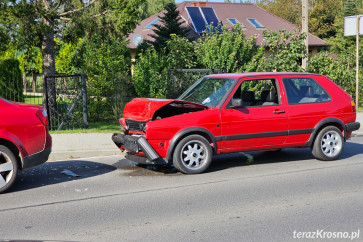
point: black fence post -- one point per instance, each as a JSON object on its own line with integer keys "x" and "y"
{"x": 84, "y": 91}
{"x": 45, "y": 101}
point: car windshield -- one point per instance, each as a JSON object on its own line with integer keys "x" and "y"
{"x": 208, "y": 91}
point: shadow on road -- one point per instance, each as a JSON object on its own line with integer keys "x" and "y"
{"x": 351, "y": 149}
{"x": 223, "y": 162}
{"x": 58, "y": 172}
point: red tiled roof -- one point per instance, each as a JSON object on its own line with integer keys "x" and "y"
{"x": 239, "y": 11}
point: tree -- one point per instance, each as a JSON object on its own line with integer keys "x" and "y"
{"x": 289, "y": 10}
{"x": 229, "y": 50}
{"x": 151, "y": 7}
{"x": 36, "y": 22}
{"x": 4, "y": 39}
{"x": 170, "y": 24}
{"x": 287, "y": 49}
{"x": 322, "y": 14}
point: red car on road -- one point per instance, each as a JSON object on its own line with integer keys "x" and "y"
{"x": 24, "y": 139}
{"x": 227, "y": 113}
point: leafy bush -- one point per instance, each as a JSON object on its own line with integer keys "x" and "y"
{"x": 11, "y": 85}
{"x": 229, "y": 50}
{"x": 341, "y": 71}
{"x": 150, "y": 74}
{"x": 285, "y": 50}
{"x": 107, "y": 66}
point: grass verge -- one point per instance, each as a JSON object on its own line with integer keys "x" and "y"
{"x": 97, "y": 127}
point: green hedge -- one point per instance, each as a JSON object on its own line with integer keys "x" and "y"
{"x": 11, "y": 85}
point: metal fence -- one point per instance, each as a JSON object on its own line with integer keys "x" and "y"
{"x": 66, "y": 101}
{"x": 64, "y": 97}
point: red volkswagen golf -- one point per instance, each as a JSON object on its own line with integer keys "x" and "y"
{"x": 228, "y": 113}
{"x": 24, "y": 139}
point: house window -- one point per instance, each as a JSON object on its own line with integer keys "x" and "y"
{"x": 255, "y": 23}
{"x": 152, "y": 23}
{"x": 235, "y": 21}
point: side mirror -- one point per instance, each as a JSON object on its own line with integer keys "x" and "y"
{"x": 236, "y": 102}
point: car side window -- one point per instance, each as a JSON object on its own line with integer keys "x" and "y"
{"x": 304, "y": 90}
{"x": 252, "y": 93}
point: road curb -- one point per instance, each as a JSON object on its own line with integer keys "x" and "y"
{"x": 357, "y": 134}
{"x": 70, "y": 155}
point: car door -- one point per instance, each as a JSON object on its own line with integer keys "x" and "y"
{"x": 309, "y": 103}
{"x": 254, "y": 116}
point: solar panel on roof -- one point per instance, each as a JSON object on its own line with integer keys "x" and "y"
{"x": 197, "y": 19}
{"x": 211, "y": 18}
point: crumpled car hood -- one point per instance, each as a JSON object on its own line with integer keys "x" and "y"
{"x": 143, "y": 109}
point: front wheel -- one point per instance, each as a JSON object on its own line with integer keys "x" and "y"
{"x": 8, "y": 168}
{"x": 328, "y": 144}
{"x": 192, "y": 155}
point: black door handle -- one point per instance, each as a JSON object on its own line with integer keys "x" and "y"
{"x": 279, "y": 111}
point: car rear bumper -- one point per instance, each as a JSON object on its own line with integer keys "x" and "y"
{"x": 350, "y": 127}
{"x": 36, "y": 159}
{"x": 40, "y": 157}
{"x": 133, "y": 145}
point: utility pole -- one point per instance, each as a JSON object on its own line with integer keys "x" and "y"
{"x": 305, "y": 29}
{"x": 357, "y": 65}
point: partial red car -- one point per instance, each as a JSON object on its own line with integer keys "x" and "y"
{"x": 226, "y": 113}
{"x": 24, "y": 139}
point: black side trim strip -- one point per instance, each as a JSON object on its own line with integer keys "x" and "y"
{"x": 300, "y": 131}
{"x": 264, "y": 135}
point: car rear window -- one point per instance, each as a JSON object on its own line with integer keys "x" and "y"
{"x": 304, "y": 90}
{"x": 5, "y": 100}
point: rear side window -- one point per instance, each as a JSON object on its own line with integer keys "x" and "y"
{"x": 304, "y": 90}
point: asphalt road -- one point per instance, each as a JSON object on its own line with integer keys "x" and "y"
{"x": 276, "y": 196}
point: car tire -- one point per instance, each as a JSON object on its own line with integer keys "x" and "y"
{"x": 8, "y": 168}
{"x": 192, "y": 155}
{"x": 328, "y": 144}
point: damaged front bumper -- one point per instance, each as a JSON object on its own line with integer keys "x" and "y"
{"x": 133, "y": 145}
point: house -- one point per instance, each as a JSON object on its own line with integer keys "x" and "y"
{"x": 195, "y": 15}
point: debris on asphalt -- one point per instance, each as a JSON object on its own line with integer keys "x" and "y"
{"x": 69, "y": 173}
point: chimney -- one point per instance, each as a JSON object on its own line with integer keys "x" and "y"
{"x": 198, "y": 4}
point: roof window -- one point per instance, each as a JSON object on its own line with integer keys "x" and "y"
{"x": 235, "y": 21}
{"x": 255, "y": 23}
{"x": 152, "y": 23}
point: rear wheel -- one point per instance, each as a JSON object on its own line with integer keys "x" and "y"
{"x": 192, "y": 155}
{"x": 8, "y": 168}
{"x": 328, "y": 144}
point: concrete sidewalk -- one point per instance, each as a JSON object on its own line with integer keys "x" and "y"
{"x": 72, "y": 146}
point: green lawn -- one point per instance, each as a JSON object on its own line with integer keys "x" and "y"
{"x": 33, "y": 99}
{"x": 360, "y": 109}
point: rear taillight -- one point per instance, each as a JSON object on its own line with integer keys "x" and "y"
{"x": 42, "y": 115}
{"x": 353, "y": 106}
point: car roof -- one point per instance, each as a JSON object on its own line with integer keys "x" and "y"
{"x": 257, "y": 74}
